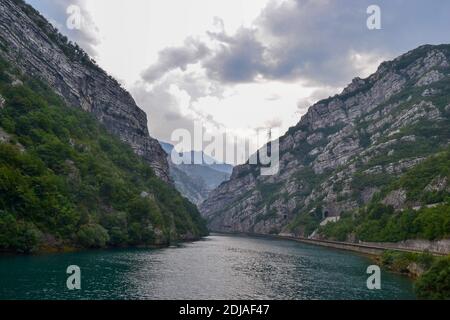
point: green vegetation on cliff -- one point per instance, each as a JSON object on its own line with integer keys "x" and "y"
{"x": 65, "y": 181}
{"x": 435, "y": 282}
{"x": 432, "y": 273}
{"x": 380, "y": 223}
{"x": 427, "y": 184}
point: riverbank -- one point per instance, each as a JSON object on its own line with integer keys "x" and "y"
{"x": 69, "y": 248}
{"x": 219, "y": 267}
{"x": 374, "y": 248}
{"x": 366, "y": 248}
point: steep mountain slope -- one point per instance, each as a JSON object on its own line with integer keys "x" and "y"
{"x": 196, "y": 181}
{"x": 66, "y": 181}
{"x": 38, "y": 50}
{"x": 415, "y": 206}
{"x": 344, "y": 150}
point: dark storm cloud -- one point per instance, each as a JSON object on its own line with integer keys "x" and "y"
{"x": 311, "y": 39}
{"x": 239, "y": 59}
{"x": 321, "y": 40}
{"x": 326, "y": 42}
{"x": 176, "y": 57}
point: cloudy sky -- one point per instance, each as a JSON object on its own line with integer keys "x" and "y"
{"x": 239, "y": 65}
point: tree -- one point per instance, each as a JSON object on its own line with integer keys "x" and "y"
{"x": 435, "y": 283}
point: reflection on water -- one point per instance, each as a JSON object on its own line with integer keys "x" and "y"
{"x": 219, "y": 267}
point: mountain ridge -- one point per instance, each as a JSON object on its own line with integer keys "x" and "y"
{"x": 67, "y": 182}
{"x": 78, "y": 168}
{"x": 325, "y": 160}
{"x": 29, "y": 41}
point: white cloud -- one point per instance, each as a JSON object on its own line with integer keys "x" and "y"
{"x": 241, "y": 65}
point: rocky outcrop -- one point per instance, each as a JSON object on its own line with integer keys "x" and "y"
{"x": 396, "y": 199}
{"x": 344, "y": 150}
{"x": 4, "y": 137}
{"x": 439, "y": 184}
{"x": 193, "y": 188}
{"x": 36, "y": 47}
{"x": 429, "y": 78}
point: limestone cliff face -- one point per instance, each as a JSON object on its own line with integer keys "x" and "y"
{"x": 36, "y": 47}
{"x": 344, "y": 149}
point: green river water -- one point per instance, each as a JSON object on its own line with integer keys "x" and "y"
{"x": 218, "y": 267}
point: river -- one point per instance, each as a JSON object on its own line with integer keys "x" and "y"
{"x": 218, "y": 267}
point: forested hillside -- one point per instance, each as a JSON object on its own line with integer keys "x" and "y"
{"x": 353, "y": 153}
{"x": 66, "y": 182}
{"x": 380, "y": 221}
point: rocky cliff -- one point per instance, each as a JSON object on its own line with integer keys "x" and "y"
{"x": 65, "y": 181}
{"x": 36, "y": 47}
{"x": 344, "y": 150}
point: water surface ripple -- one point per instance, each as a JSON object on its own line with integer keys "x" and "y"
{"x": 218, "y": 267}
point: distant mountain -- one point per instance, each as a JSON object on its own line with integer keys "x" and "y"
{"x": 167, "y": 147}
{"x": 196, "y": 181}
{"x": 189, "y": 156}
{"x": 353, "y": 156}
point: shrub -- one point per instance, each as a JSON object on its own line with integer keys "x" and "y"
{"x": 338, "y": 231}
{"x": 20, "y": 236}
{"x": 93, "y": 236}
{"x": 435, "y": 283}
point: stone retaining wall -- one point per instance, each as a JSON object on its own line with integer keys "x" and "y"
{"x": 441, "y": 247}
{"x": 438, "y": 247}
